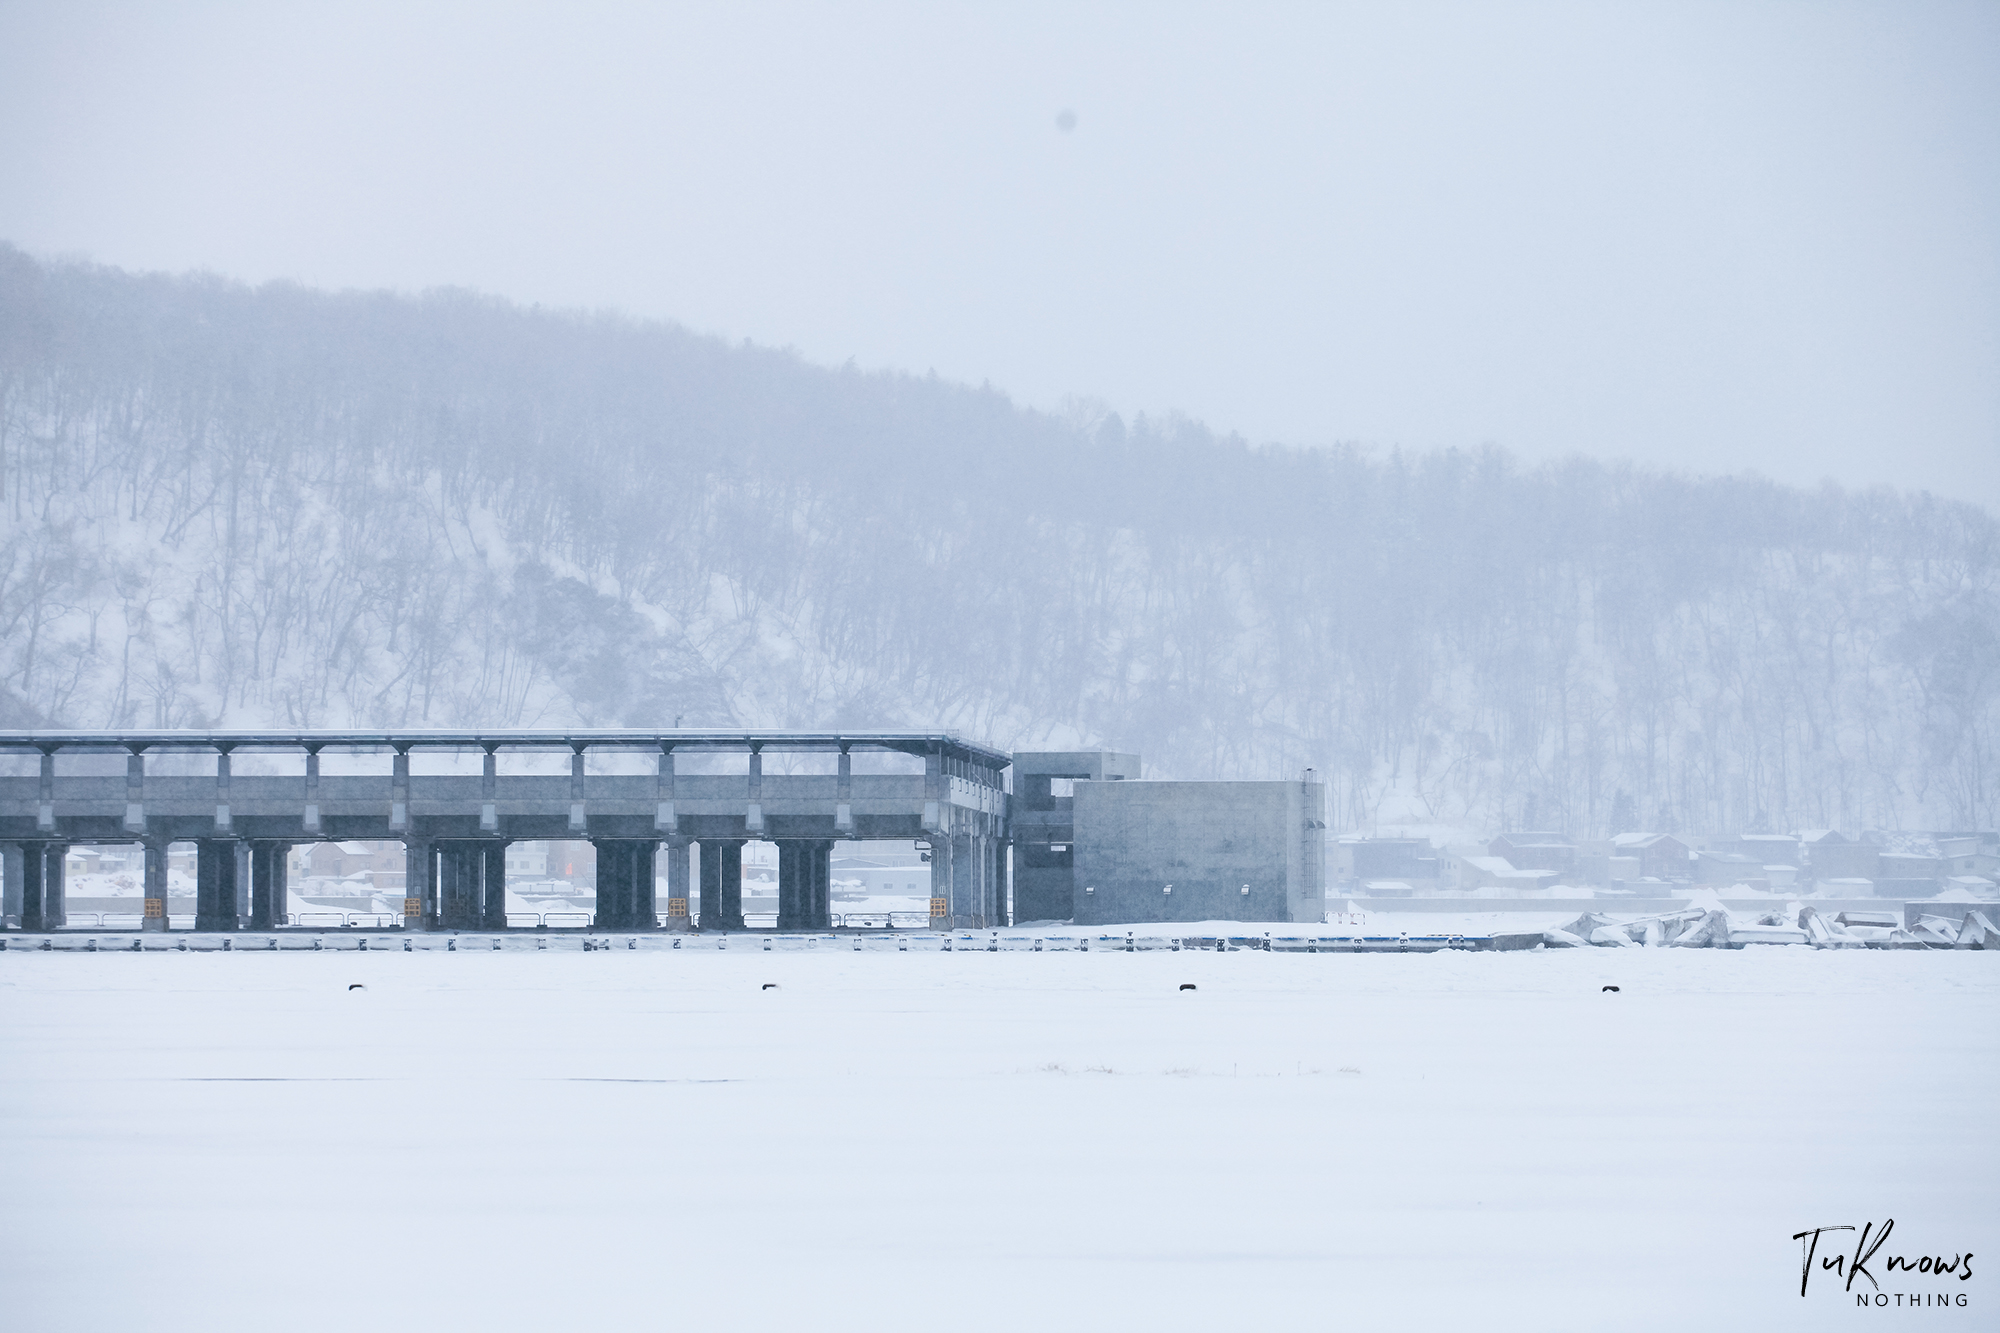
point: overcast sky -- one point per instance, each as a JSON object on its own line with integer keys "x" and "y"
{"x": 1708, "y": 237}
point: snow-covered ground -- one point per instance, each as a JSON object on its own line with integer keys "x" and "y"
{"x": 650, "y": 1139}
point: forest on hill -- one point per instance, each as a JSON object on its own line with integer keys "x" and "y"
{"x": 227, "y": 505}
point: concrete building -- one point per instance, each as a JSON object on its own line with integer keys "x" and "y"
{"x": 444, "y": 818}
{"x": 1044, "y": 825}
{"x": 1199, "y": 851}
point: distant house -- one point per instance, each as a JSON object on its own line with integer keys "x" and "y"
{"x": 1970, "y": 853}
{"x": 1536, "y": 851}
{"x": 1771, "y": 849}
{"x": 528, "y": 860}
{"x": 1831, "y": 855}
{"x": 1496, "y": 872}
{"x": 1660, "y": 855}
{"x": 1904, "y": 865}
{"x": 1726, "y": 868}
{"x": 342, "y": 860}
{"x": 1383, "y": 858}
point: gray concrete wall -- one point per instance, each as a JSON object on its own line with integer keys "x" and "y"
{"x": 1044, "y": 879}
{"x": 1209, "y": 841}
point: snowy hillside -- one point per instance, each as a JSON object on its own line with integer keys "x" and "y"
{"x": 232, "y": 506}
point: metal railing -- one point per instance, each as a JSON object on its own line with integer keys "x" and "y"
{"x": 882, "y": 920}
{"x": 551, "y": 920}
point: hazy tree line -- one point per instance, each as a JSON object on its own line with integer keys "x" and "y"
{"x": 232, "y": 506}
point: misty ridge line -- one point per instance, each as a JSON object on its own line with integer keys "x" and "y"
{"x": 231, "y": 506}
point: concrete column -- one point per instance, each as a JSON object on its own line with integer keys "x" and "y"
{"x": 55, "y": 887}
{"x": 665, "y": 819}
{"x": 625, "y": 884}
{"x": 268, "y": 898}
{"x": 708, "y": 887}
{"x": 489, "y": 792}
{"x": 614, "y": 883}
{"x": 964, "y": 885}
{"x": 45, "y": 809}
{"x": 12, "y": 863}
{"x": 135, "y": 791}
{"x": 722, "y": 884}
{"x": 47, "y": 887}
{"x": 156, "y": 885}
{"x": 1003, "y": 857}
{"x": 243, "y": 878}
{"x": 677, "y": 885}
{"x": 645, "y": 889}
{"x": 419, "y": 899}
{"x": 819, "y": 878}
{"x": 996, "y": 863}
{"x": 730, "y": 855}
{"x": 493, "y": 884}
{"x": 309, "y": 819}
{"x": 34, "y": 864}
{"x": 458, "y": 885}
{"x": 399, "y": 791}
{"x": 445, "y": 873}
{"x": 940, "y": 850}
{"x": 794, "y": 904}
{"x": 224, "y": 821}
{"x": 215, "y": 884}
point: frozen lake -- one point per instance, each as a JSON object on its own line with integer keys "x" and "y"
{"x": 984, "y": 1141}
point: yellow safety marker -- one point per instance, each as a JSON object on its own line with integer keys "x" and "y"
{"x": 677, "y": 907}
{"x": 413, "y": 907}
{"x": 938, "y": 907}
{"x": 156, "y": 907}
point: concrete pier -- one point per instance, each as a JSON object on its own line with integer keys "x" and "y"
{"x": 456, "y": 819}
{"x": 805, "y": 884}
{"x": 156, "y": 885}
{"x": 13, "y": 861}
{"x": 625, "y": 890}
{"x": 678, "y": 917}
{"x": 40, "y": 880}
{"x": 267, "y": 884}
{"x": 215, "y": 884}
{"x": 722, "y": 884}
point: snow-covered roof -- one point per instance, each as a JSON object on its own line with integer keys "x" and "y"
{"x": 1820, "y": 835}
{"x": 1502, "y": 867}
